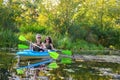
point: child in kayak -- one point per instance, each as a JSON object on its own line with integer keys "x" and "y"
{"x": 38, "y": 45}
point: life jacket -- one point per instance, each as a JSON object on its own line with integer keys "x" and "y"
{"x": 37, "y": 48}
{"x": 48, "y": 46}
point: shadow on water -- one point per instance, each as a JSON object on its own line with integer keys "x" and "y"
{"x": 86, "y": 70}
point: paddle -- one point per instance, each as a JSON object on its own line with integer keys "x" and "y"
{"x": 67, "y": 52}
{"x": 20, "y": 71}
{"x": 21, "y": 46}
{"x": 22, "y": 38}
{"x": 53, "y": 65}
{"x": 66, "y": 60}
{"x": 54, "y": 55}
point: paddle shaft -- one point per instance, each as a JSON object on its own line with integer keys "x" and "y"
{"x": 34, "y": 44}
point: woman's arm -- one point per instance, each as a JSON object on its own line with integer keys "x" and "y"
{"x": 52, "y": 47}
{"x": 32, "y": 45}
{"x": 43, "y": 46}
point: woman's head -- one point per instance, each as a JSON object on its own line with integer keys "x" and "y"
{"x": 38, "y": 37}
{"x": 48, "y": 39}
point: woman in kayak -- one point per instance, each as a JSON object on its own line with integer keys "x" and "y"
{"x": 38, "y": 45}
{"x": 48, "y": 43}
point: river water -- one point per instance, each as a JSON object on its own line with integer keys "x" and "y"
{"x": 77, "y": 70}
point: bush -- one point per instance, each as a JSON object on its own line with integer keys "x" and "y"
{"x": 33, "y": 28}
{"x": 108, "y": 36}
{"x": 8, "y": 39}
{"x": 77, "y": 32}
{"x": 65, "y": 43}
{"x": 83, "y": 45}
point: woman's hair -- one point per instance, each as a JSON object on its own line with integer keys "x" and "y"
{"x": 38, "y": 35}
{"x": 50, "y": 40}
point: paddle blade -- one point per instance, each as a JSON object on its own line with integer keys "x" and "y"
{"x": 20, "y": 71}
{"x": 67, "y": 52}
{"x": 54, "y": 55}
{"x": 22, "y": 38}
{"x": 53, "y": 65}
{"x": 66, "y": 60}
{"x": 21, "y": 46}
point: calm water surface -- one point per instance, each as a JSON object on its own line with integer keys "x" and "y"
{"x": 74, "y": 71}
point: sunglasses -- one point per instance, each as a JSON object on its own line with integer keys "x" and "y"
{"x": 39, "y": 37}
{"x": 47, "y": 39}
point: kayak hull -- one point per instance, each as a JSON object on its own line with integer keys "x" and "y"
{"x": 32, "y": 53}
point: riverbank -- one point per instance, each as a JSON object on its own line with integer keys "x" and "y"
{"x": 98, "y": 58}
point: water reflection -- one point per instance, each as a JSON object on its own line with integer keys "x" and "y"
{"x": 74, "y": 71}
{"x": 88, "y": 71}
{"x": 6, "y": 65}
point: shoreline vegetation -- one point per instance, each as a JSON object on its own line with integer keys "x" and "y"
{"x": 7, "y": 49}
{"x": 74, "y": 27}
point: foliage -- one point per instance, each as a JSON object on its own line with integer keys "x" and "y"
{"x": 8, "y": 14}
{"x": 34, "y": 28}
{"x": 78, "y": 32}
{"x": 108, "y": 37}
{"x": 93, "y": 21}
{"x": 8, "y": 39}
{"x": 64, "y": 43}
{"x": 83, "y": 45}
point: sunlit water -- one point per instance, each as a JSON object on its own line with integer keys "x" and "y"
{"x": 74, "y": 71}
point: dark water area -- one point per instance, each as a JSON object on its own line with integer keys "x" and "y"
{"x": 7, "y": 61}
{"x": 84, "y": 70}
